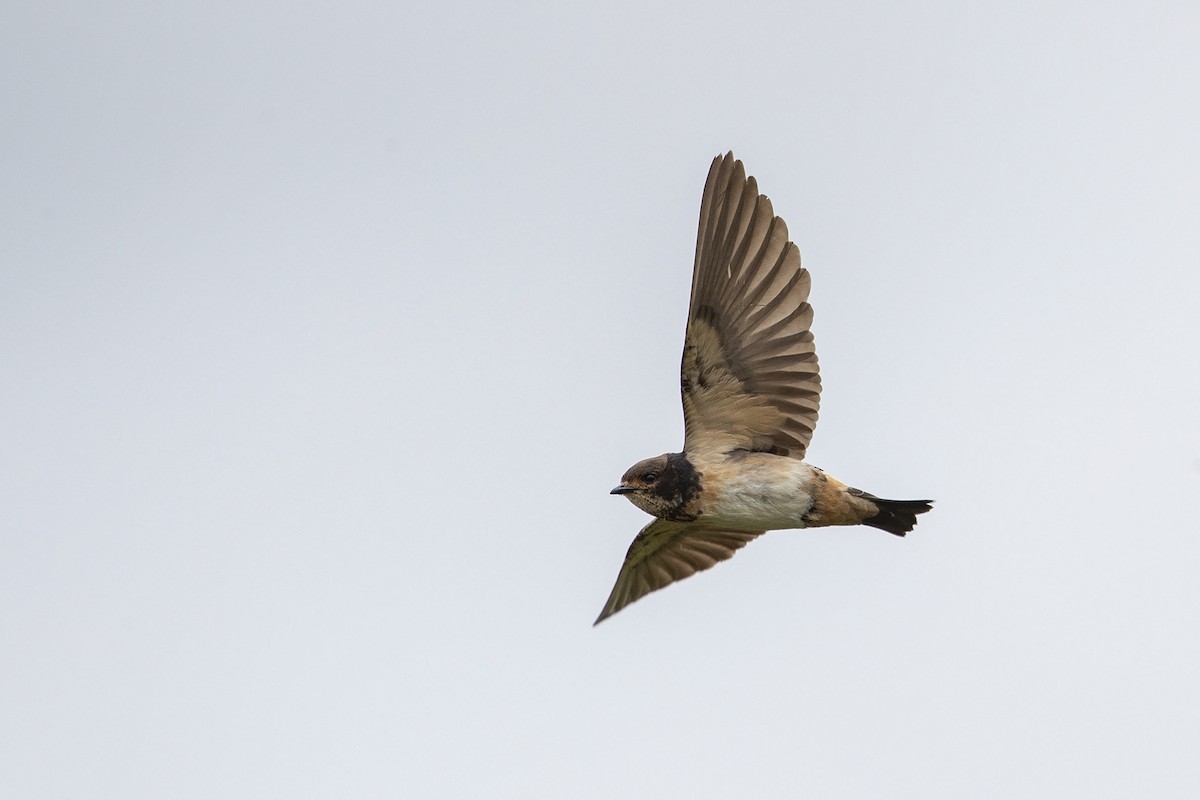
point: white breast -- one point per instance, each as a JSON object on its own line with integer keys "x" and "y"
{"x": 758, "y": 492}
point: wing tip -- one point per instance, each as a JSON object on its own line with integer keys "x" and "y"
{"x": 611, "y": 607}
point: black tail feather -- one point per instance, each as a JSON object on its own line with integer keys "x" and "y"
{"x": 896, "y": 516}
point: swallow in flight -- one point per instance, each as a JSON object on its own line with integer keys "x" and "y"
{"x": 751, "y": 390}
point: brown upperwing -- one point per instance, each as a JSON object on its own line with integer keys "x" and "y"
{"x": 749, "y": 373}
{"x": 665, "y": 552}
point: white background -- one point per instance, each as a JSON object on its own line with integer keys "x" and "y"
{"x": 326, "y": 329}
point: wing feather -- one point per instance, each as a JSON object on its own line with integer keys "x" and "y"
{"x": 665, "y": 552}
{"x": 749, "y": 375}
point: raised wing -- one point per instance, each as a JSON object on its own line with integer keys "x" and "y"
{"x": 665, "y": 552}
{"x": 749, "y": 374}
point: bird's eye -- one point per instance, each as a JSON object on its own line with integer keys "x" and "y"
{"x": 649, "y": 477}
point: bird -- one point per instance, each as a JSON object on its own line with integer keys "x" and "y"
{"x": 751, "y": 391}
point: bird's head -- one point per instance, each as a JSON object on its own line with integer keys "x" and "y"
{"x": 643, "y": 485}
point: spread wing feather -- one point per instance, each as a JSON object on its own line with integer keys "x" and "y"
{"x": 665, "y": 552}
{"x": 749, "y": 374}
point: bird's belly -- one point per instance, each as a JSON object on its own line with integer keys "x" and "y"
{"x": 757, "y": 499}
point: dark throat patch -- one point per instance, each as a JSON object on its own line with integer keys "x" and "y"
{"x": 678, "y": 486}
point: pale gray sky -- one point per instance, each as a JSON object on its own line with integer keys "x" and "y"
{"x": 326, "y": 329}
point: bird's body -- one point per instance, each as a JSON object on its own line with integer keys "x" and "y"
{"x": 758, "y": 492}
{"x": 751, "y": 390}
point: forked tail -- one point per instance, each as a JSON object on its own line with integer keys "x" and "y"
{"x": 895, "y": 516}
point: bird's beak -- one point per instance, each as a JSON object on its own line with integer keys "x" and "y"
{"x": 622, "y": 489}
